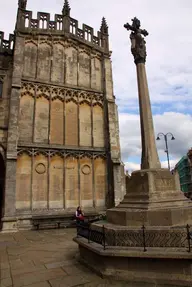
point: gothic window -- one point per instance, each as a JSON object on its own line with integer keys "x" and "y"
{"x": 1, "y": 88}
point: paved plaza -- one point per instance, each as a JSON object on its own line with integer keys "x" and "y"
{"x": 45, "y": 258}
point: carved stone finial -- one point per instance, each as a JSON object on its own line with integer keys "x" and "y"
{"x": 66, "y": 8}
{"x": 22, "y": 4}
{"x": 138, "y": 47}
{"x": 104, "y": 26}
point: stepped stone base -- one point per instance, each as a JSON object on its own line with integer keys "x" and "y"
{"x": 155, "y": 268}
{"x": 157, "y": 255}
{"x": 154, "y": 199}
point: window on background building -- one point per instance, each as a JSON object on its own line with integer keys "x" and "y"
{"x": 1, "y": 88}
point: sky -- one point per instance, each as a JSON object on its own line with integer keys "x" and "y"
{"x": 168, "y": 65}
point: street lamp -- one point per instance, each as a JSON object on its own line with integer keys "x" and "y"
{"x": 166, "y": 144}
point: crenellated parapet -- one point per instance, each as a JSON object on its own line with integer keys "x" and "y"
{"x": 61, "y": 25}
{"x": 6, "y": 46}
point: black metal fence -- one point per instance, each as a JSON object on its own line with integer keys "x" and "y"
{"x": 92, "y": 235}
{"x": 137, "y": 238}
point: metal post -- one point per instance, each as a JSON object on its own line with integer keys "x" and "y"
{"x": 188, "y": 238}
{"x": 104, "y": 243}
{"x": 144, "y": 242}
{"x": 166, "y": 144}
{"x": 167, "y": 151}
{"x": 89, "y": 232}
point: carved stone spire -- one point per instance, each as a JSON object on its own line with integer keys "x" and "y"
{"x": 22, "y": 4}
{"x": 66, "y": 8}
{"x": 104, "y": 26}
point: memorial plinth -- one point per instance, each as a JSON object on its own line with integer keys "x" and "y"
{"x": 154, "y": 211}
{"x": 153, "y": 199}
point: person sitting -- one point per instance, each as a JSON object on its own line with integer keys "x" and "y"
{"x": 79, "y": 215}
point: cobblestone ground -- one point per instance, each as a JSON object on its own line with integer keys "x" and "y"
{"x": 44, "y": 259}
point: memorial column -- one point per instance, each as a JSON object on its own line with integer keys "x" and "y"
{"x": 149, "y": 159}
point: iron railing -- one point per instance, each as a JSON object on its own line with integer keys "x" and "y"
{"x": 137, "y": 238}
{"x": 91, "y": 235}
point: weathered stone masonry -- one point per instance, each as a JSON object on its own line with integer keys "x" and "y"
{"x": 61, "y": 135}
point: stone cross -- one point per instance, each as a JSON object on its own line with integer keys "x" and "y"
{"x": 150, "y": 159}
{"x": 138, "y": 47}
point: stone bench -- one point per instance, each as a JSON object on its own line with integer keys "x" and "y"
{"x": 57, "y": 221}
{"x": 62, "y": 220}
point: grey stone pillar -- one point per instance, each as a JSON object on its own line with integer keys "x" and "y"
{"x": 10, "y": 186}
{"x": 149, "y": 159}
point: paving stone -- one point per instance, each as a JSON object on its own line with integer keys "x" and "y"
{"x": 4, "y": 256}
{"x": 41, "y": 261}
{"x": 35, "y": 277}
{"x": 44, "y": 259}
{"x": 18, "y": 250}
{"x": 18, "y": 263}
{"x": 7, "y": 238}
{"x": 30, "y": 269}
{"x": 100, "y": 283}
{"x": 68, "y": 281}
{"x": 7, "y": 282}
{"x": 77, "y": 269}
{"x": 4, "y": 265}
{"x": 13, "y": 257}
{"x": 20, "y": 238}
{"x": 40, "y": 284}
{"x": 32, "y": 236}
{"x": 5, "y": 273}
{"x": 41, "y": 255}
{"x": 60, "y": 264}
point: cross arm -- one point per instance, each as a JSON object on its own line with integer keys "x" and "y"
{"x": 144, "y": 32}
{"x": 129, "y": 27}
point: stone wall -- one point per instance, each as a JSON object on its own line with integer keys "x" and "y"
{"x": 52, "y": 116}
{"x": 55, "y": 181}
{"x": 62, "y": 62}
{"x": 117, "y": 184}
{"x": 70, "y": 118}
{"x": 61, "y": 124}
{"x": 5, "y": 79}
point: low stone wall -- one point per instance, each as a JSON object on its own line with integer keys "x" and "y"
{"x": 155, "y": 268}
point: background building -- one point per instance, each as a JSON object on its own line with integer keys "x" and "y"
{"x": 184, "y": 169}
{"x": 59, "y": 130}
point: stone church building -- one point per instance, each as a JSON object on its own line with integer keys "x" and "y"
{"x": 59, "y": 132}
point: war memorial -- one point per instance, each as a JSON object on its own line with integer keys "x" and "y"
{"x": 146, "y": 238}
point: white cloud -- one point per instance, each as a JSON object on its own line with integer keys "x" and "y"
{"x": 131, "y": 166}
{"x": 177, "y": 123}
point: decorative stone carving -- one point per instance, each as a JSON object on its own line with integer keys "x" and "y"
{"x": 55, "y": 92}
{"x": 86, "y": 169}
{"x": 40, "y": 168}
{"x": 138, "y": 47}
{"x": 63, "y": 153}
